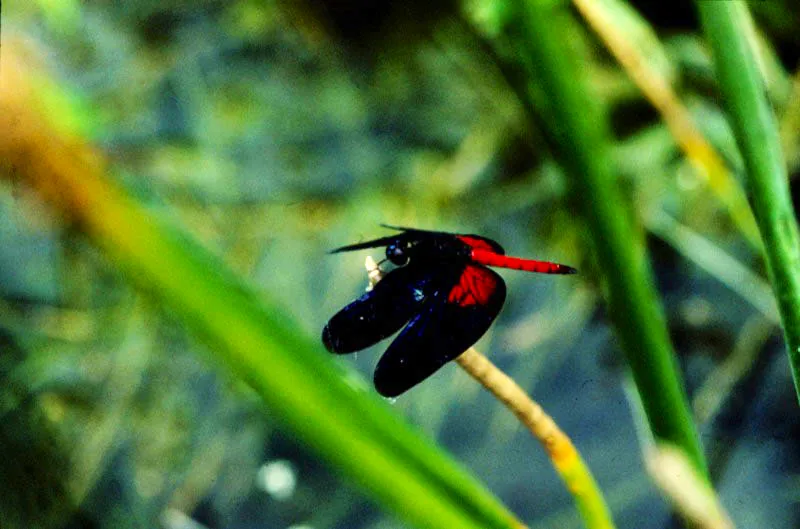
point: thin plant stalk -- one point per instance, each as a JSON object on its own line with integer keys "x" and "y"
{"x": 566, "y": 459}
{"x": 756, "y": 131}
{"x": 656, "y": 88}
{"x": 686, "y": 490}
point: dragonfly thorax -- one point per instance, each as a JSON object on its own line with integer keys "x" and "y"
{"x": 433, "y": 250}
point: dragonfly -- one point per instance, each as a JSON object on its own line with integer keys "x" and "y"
{"x": 440, "y": 293}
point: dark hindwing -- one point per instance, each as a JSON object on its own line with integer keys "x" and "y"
{"x": 377, "y": 314}
{"x": 459, "y": 309}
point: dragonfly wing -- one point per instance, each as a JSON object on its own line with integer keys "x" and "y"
{"x": 377, "y": 314}
{"x": 456, "y": 314}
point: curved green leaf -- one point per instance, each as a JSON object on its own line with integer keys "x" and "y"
{"x": 345, "y": 423}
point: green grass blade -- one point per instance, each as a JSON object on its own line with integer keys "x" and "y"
{"x": 757, "y": 136}
{"x": 580, "y": 132}
{"x": 344, "y": 422}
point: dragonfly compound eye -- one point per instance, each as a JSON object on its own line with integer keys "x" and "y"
{"x": 397, "y": 254}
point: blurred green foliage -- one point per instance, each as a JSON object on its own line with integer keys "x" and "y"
{"x": 277, "y": 130}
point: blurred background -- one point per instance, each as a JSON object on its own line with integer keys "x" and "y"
{"x": 276, "y": 130}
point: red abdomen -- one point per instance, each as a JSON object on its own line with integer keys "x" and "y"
{"x": 489, "y": 258}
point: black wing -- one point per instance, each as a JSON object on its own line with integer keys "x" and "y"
{"x": 453, "y": 317}
{"x": 375, "y": 243}
{"x": 377, "y": 314}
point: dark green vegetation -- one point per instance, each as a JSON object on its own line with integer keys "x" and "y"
{"x": 275, "y": 131}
